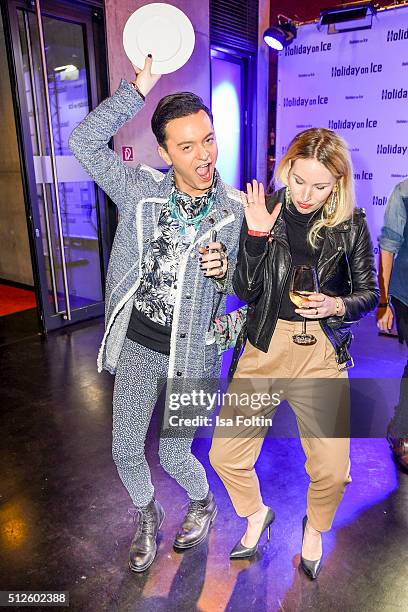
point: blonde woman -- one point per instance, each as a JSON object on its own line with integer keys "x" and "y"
{"x": 310, "y": 222}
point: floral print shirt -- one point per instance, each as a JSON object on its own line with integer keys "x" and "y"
{"x": 156, "y": 293}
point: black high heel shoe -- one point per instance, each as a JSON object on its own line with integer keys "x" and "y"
{"x": 311, "y": 568}
{"x": 243, "y": 552}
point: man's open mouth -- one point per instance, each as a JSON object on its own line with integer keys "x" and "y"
{"x": 204, "y": 172}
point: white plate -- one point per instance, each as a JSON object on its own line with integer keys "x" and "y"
{"x": 162, "y": 30}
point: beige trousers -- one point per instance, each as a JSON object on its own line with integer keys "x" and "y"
{"x": 308, "y": 378}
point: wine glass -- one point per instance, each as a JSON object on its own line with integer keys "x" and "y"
{"x": 303, "y": 283}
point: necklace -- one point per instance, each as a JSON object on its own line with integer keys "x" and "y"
{"x": 184, "y": 221}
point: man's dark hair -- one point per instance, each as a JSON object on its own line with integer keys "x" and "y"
{"x": 175, "y": 106}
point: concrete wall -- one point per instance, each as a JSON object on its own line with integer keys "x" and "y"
{"x": 193, "y": 76}
{"x": 15, "y": 259}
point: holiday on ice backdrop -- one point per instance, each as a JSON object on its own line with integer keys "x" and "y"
{"x": 355, "y": 83}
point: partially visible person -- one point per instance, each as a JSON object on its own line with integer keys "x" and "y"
{"x": 393, "y": 278}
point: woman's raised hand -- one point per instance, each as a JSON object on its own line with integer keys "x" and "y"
{"x": 256, "y": 214}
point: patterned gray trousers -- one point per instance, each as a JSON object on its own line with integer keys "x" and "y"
{"x": 134, "y": 398}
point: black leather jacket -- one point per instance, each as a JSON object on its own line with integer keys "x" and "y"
{"x": 345, "y": 268}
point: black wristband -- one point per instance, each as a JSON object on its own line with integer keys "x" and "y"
{"x": 133, "y": 84}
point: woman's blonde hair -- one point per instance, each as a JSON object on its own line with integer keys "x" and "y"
{"x": 331, "y": 150}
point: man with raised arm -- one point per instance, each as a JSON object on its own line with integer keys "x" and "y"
{"x": 163, "y": 287}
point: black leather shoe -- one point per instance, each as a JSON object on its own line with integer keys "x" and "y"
{"x": 398, "y": 442}
{"x": 243, "y": 552}
{"x": 144, "y": 545}
{"x": 311, "y": 568}
{"x": 197, "y": 522}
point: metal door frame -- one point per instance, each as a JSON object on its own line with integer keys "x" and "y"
{"x": 247, "y": 61}
{"x": 84, "y": 16}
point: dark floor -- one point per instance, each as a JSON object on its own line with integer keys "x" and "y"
{"x": 66, "y": 520}
{"x": 19, "y": 326}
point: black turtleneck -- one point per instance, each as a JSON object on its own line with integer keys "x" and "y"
{"x": 297, "y": 226}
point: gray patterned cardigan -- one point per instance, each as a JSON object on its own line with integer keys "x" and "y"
{"x": 139, "y": 193}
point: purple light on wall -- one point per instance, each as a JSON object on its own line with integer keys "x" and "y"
{"x": 226, "y": 103}
{"x": 226, "y": 107}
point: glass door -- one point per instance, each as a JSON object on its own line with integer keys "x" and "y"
{"x": 54, "y": 51}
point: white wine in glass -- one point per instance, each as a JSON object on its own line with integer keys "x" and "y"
{"x": 298, "y": 297}
{"x": 303, "y": 283}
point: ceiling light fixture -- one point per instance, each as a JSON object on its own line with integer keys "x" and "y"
{"x": 280, "y": 35}
{"x": 347, "y": 17}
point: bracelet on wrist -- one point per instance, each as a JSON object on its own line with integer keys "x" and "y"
{"x": 134, "y": 85}
{"x": 339, "y": 304}
{"x": 256, "y": 233}
{"x": 385, "y": 304}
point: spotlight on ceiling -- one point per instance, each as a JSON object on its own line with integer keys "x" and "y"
{"x": 348, "y": 17}
{"x": 280, "y": 35}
